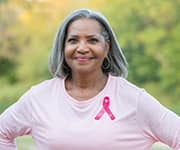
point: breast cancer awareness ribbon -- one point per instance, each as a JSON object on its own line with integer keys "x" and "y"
{"x": 105, "y": 108}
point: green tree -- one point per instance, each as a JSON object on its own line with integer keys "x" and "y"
{"x": 148, "y": 32}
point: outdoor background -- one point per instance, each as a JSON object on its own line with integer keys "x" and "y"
{"x": 148, "y": 32}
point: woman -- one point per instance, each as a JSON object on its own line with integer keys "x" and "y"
{"x": 88, "y": 105}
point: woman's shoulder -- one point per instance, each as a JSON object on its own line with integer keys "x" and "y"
{"x": 126, "y": 90}
{"x": 125, "y": 84}
{"x": 47, "y": 85}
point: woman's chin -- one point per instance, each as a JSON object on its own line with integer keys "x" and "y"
{"x": 82, "y": 70}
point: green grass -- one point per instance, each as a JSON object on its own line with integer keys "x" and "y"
{"x": 25, "y": 143}
{"x": 159, "y": 146}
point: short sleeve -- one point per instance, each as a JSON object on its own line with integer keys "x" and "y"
{"x": 157, "y": 122}
{"x": 16, "y": 121}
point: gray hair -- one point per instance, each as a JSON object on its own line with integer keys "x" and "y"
{"x": 115, "y": 63}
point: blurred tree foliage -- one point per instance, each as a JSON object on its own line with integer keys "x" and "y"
{"x": 148, "y": 32}
{"x": 149, "y": 35}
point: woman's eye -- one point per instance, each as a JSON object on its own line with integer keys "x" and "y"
{"x": 72, "y": 41}
{"x": 93, "y": 40}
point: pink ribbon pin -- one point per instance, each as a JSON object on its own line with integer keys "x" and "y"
{"x": 105, "y": 108}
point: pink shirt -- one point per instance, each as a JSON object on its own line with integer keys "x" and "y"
{"x": 57, "y": 121}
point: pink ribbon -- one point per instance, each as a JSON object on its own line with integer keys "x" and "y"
{"x": 105, "y": 108}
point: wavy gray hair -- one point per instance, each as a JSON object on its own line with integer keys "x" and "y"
{"x": 115, "y": 63}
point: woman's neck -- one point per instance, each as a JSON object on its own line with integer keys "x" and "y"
{"x": 86, "y": 86}
{"x": 88, "y": 81}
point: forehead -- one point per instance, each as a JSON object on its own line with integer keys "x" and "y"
{"x": 84, "y": 25}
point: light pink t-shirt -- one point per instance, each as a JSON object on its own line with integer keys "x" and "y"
{"x": 57, "y": 121}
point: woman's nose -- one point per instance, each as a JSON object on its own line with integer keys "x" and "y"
{"x": 82, "y": 47}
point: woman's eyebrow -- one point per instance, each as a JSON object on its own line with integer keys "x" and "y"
{"x": 72, "y": 36}
{"x": 93, "y": 35}
{"x": 87, "y": 36}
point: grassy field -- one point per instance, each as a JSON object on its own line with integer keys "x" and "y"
{"x": 25, "y": 143}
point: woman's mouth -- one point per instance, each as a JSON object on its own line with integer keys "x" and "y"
{"x": 83, "y": 59}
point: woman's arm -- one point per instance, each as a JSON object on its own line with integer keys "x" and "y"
{"x": 157, "y": 122}
{"x": 16, "y": 121}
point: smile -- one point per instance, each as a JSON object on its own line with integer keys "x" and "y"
{"x": 83, "y": 59}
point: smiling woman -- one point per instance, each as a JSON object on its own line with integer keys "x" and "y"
{"x": 88, "y": 104}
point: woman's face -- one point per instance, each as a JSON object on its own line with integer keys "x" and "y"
{"x": 85, "y": 46}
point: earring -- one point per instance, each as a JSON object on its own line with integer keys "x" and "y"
{"x": 66, "y": 68}
{"x": 106, "y": 65}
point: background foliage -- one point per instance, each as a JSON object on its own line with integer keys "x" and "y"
{"x": 148, "y": 32}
